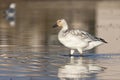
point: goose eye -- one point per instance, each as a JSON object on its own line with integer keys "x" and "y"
{"x": 59, "y": 21}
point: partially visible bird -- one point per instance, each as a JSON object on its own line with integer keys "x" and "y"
{"x": 76, "y": 39}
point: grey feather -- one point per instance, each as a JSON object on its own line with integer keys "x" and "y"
{"x": 84, "y": 35}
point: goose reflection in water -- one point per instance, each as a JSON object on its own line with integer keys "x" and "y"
{"x": 79, "y": 68}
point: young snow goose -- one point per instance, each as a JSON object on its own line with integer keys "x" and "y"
{"x": 76, "y": 39}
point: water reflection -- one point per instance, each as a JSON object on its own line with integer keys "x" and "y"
{"x": 79, "y": 68}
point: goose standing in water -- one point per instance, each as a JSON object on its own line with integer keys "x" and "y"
{"x": 76, "y": 39}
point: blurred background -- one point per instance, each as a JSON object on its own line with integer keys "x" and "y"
{"x": 30, "y": 50}
{"x": 29, "y": 22}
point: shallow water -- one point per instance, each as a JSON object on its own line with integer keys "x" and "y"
{"x": 23, "y": 58}
{"x": 55, "y": 64}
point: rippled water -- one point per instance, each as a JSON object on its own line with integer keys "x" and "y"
{"x": 23, "y": 58}
{"x": 56, "y": 64}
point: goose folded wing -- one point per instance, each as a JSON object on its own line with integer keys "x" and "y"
{"x": 84, "y": 35}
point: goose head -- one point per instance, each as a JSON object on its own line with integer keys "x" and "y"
{"x": 60, "y": 23}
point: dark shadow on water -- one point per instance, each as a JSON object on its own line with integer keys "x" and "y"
{"x": 94, "y": 55}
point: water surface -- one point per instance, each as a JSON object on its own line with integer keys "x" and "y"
{"x": 56, "y": 64}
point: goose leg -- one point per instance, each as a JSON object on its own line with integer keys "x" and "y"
{"x": 80, "y": 51}
{"x": 71, "y": 52}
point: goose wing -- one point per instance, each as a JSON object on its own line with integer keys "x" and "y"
{"x": 86, "y": 36}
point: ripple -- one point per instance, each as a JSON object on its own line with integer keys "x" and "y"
{"x": 50, "y": 64}
{"x": 22, "y": 63}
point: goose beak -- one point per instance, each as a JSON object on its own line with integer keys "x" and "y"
{"x": 55, "y": 25}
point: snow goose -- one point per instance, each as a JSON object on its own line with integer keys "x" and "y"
{"x": 76, "y": 39}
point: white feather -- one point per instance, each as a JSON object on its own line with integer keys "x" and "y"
{"x": 77, "y": 39}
